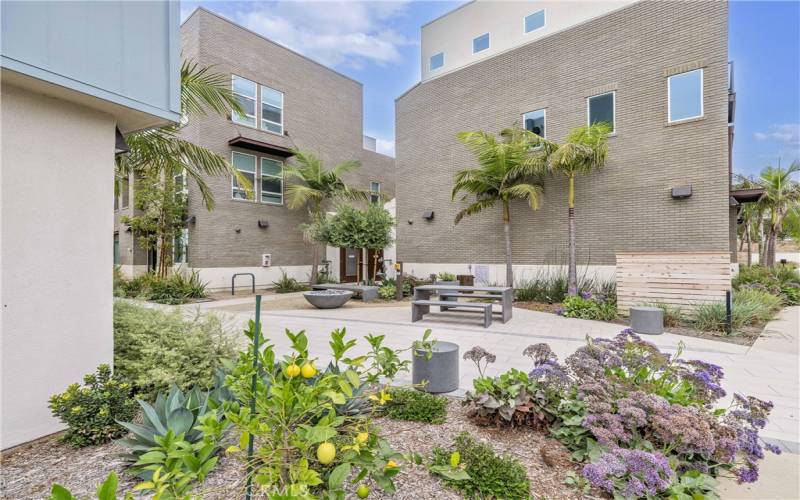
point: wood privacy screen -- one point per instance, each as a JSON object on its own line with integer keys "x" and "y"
{"x": 679, "y": 279}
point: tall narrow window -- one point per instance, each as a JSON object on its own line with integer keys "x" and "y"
{"x": 116, "y": 193}
{"x": 437, "y": 61}
{"x": 534, "y": 21}
{"x": 124, "y": 191}
{"x": 180, "y": 247}
{"x": 375, "y": 192}
{"x": 271, "y": 181}
{"x": 535, "y": 122}
{"x": 246, "y": 165}
{"x": 245, "y": 93}
{"x": 271, "y": 110}
{"x": 116, "y": 249}
{"x": 601, "y": 109}
{"x": 480, "y": 43}
{"x": 685, "y": 95}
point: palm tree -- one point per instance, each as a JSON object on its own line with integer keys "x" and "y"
{"x": 316, "y": 188}
{"x": 161, "y": 154}
{"x": 503, "y": 174}
{"x": 751, "y": 214}
{"x": 781, "y": 195}
{"x": 161, "y": 150}
{"x": 584, "y": 150}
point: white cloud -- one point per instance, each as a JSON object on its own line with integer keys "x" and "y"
{"x": 787, "y": 134}
{"x": 334, "y": 33}
{"x": 385, "y": 147}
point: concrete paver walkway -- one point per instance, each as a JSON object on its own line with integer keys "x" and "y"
{"x": 769, "y": 369}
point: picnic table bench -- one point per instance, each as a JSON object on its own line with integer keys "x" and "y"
{"x": 448, "y": 299}
{"x": 366, "y": 292}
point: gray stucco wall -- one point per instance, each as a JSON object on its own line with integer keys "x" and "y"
{"x": 626, "y": 206}
{"x": 322, "y": 114}
{"x": 123, "y": 52}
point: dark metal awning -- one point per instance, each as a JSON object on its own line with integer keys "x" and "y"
{"x": 260, "y": 146}
{"x": 751, "y": 195}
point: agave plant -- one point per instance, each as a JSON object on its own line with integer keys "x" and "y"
{"x": 177, "y": 412}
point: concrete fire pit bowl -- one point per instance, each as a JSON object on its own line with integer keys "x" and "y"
{"x": 327, "y": 299}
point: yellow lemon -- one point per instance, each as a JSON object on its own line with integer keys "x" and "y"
{"x": 362, "y": 491}
{"x": 292, "y": 370}
{"x": 326, "y": 452}
{"x": 362, "y": 437}
{"x": 391, "y": 464}
{"x": 308, "y": 370}
{"x": 455, "y": 459}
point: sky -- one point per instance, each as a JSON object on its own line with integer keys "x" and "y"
{"x": 377, "y": 43}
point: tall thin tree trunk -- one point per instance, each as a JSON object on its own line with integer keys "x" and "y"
{"x": 507, "y": 234}
{"x": 749, "y": 246}
{"x": 572, "y": 271}
{"x": 314, "y": 263}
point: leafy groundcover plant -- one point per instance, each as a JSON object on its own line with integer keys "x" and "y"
{"x": 154, "y": 349}
{"x": 646, "y": 422}
{"x": 410, "y": 404}
{"x": 782, "y": 280}
{"x": 587, "y": 306}
{"x": 174, "y": 289}
{"x": 91, "y": 411}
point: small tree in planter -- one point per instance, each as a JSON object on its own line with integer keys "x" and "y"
{"x": 354, "y": 228}
{"x": 378, "y": 223}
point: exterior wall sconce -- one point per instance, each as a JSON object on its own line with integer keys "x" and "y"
{"x": 410, "y": 221}
{"x": 193, "y": 219}
{"x": 428, "y": 215}
{"x": 263, "y": 224}
{"x": 238, "y": 230}
{"x": 681, "y": 192}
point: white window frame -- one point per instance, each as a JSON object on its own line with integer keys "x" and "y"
{"x": 372, "y": 192}
{"x": 260, "y": 186}
{"x": 489, "y": 34}
{"x": 184, "y": 237}
{"x": 260, "y": 110}
{"x": 525, "y": 22}
{"x": 544, "y": 112}
{"x": 234, "y": 115}
{"x": 613, "y": 110}
{"x": 430, "y": 60}
{"x": 669, "y": 97}
{"x": 257, "y": 165}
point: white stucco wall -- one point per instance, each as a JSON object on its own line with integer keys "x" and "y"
{"x": 56, "y": 218}
{"x": 504, "y": 20}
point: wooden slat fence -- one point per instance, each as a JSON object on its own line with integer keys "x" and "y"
{"x": 680, "y": 279}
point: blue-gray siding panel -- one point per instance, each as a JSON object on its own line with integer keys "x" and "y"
{"x": 124, "y": 52}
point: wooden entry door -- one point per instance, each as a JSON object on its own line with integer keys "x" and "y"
{"x": 349, "y": 260}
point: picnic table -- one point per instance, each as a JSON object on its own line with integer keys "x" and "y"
{"x": 449, "y": 295}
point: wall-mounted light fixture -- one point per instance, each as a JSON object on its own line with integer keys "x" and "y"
{"x": 428, "y": 215}
{"x": 193, "y": 219}
{"x": 238, "y": 230}
{"x": 410, "y": 221}
{"x": 680, "y": 192}
{"x": 263, "y": 224}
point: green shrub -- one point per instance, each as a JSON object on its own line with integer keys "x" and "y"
{"x": 91, "y": 411}
{"x": 391, "y": 282}
{"x": 288, "y": 284}
{"x": 750, "y": 307}
{"x": 387, "y": 291}
{"x": 672, "y": 314}
{"x": 781, "y": 280}
{"x": 550, "y": 286}
{"x": 154, "y": 349}
{"x": 490, "y": 475}
{"x": 587, "y": 307}
{"x": 174, "y": 289}
{"x": 417, "y": 406}
{"x": 445, "y": 276}
{"x": 107, "y": 490}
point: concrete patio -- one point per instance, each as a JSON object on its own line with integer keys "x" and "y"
{"x": 768, "y": 369}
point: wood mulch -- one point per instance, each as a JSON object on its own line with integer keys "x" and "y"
{"x": 28, "y": 471}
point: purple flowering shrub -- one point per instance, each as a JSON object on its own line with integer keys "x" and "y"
{"x": 647, "y": 421}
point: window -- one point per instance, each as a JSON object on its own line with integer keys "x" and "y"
{"x": 271, "y": 110}
{"x": 480, "y": 43}
{"x": 180, "y": 247}
{"x": 437, "y": 61}
{"x": 116, "y": 249}
{"x": 685, "y": 95}
{"x": 116, "y": 193}
{"x": 271, "y": 181}
{"x": 534, "y": 21}
{"x": 246, "y": 164}
{"x": 375, "y": 192}
{"x": 125, "y": 191}
{"x": 245, "y": 93}
{"x": 535, "y": 122}
{"x": 601, "y": 109}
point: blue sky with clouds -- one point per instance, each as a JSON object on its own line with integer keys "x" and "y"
{"x": 377, "y": 43}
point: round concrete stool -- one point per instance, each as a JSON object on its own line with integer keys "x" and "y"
{"x": 440, "y": 372}
{"x": 647, "y": 320}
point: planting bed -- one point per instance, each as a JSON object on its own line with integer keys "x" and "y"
{"x": 29, "y": 470}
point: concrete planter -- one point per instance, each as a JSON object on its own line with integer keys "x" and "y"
{"x": 440, "y": 371}
{"x": 647, "y": 320}
{"x": 327, "y": 299}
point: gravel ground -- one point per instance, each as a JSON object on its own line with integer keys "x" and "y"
{"x": 29, "y": 470}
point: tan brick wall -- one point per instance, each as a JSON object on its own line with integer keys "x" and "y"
{"x": 322, "y": 114}
{"x": 625, "y": 207}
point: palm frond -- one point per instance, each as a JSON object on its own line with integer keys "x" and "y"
{"x": 475, "y": 207}
{"x": 530, "y": 192}
{"x": 201, "y": 89}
